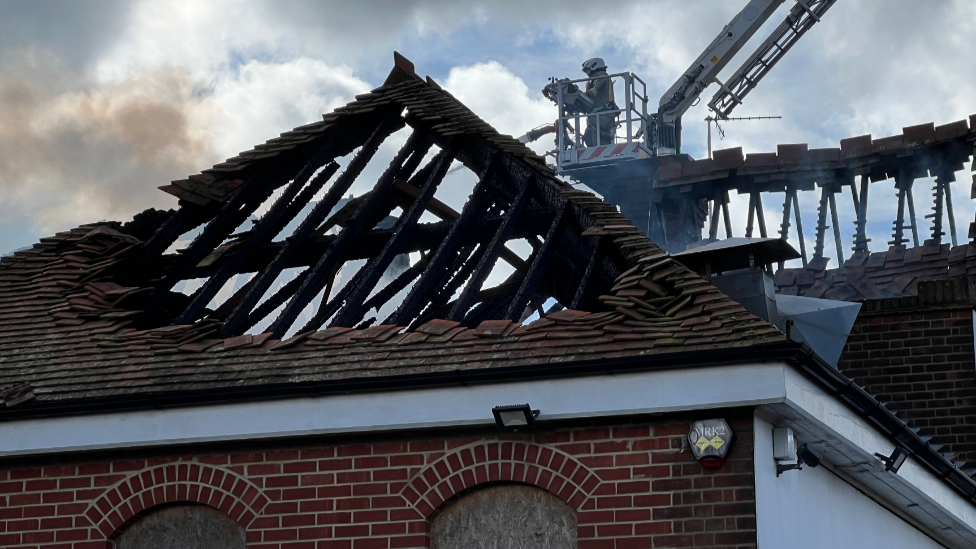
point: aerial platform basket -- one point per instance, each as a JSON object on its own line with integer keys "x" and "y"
{"x": 633, "y": 131}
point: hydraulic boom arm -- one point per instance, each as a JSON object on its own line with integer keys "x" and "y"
{"x": 803, "y": 16}
{"x": 685, "y": 92}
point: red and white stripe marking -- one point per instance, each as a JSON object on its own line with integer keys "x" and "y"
{"x": 607, "y": 151}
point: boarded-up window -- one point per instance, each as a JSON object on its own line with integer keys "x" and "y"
{"x": 183, "y": 527}
{"x": 506, "y": 517}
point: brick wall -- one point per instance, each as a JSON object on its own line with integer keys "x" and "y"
{"x": 632, "y": 486}
{"x": 920, "y": 361}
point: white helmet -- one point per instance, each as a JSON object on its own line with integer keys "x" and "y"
{"x": 594, "y": 65}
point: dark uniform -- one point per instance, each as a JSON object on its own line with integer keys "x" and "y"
{"x": 600, "y": 90}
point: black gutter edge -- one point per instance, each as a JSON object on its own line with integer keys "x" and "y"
{"x": 885, "y": 420}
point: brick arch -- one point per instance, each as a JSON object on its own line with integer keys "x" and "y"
{"x": 489, "y": 462}
{"x": 185, "y": 482}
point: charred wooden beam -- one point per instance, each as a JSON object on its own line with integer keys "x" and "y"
{"x": 903, "y": 183}
{"x": 396, "y": 285}
{"x": 426, "y": 236}
{"x": 231, "y": 214}
{"x": 465, "y": 300}
{"x": 539, "y": 264}
{"x": 949, "y": 212}
{"x": 276, "y": 300}
{"x": 910, "y": 196}
{"x": 446, "y": 252}
{"x": 364, "y": 281}
{"x": 834, "y": 221}
{"x": 186, "y": 218}
{"x": 271, "y": 271}
{"x": 861, "y": 215}
{"x": 818, "y": 249}
{"x": 326, "y": 268}
{"x": 493, "y": 303}
{"x": 592, "y": 270}
{"x": 461, "y": 268}
{"x": 300, "y": 201}
{"x": 260, "y": 234}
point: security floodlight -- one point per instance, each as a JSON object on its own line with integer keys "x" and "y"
{"x": 788, "y": 457}
{"x": 514, "y": 417}
{"x": 895, "y": 460}
{"x": 784, "y": 444}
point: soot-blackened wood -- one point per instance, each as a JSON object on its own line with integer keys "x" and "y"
{"x": 470, "y": 291}
{"x": 713, "y": 221}
{"x": 325, "y": 269}
{"x": 396, "y": 286}
{"x": 910, "y": 198}
{"x": 838, "y": 246}
{"x": 436, "y": 273}
{"x": 269, "y": 274}
{"x": 368, "y": 274}
{"x": 426, "y": 236}
{"x": 592, "y": 269}
{"x": 300, "y": 201}
{"x": 233, "y": 212}
{"x": 799, "y": 228}
{"x": 540, "y": 264}
{"x": 818, "y": 248}
{"x": 186, "y": 218}
{"x": 861, "y": 211}
{"x": 949, "y": 211}
{"x": 260, "y": 234}
{"x": 903, "y": 182}
{"x": 226, "y": 307}
{"x": 276, "y": 300}
{"x": 354, "y": 304}
{"x": 460, "y": 269}
{"x": 493, "y": 302}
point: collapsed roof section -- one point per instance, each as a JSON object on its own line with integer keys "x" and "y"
{"x": 91, "y": 315}
{"x": 920, "y": 151}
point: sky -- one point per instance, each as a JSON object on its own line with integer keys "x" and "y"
{"x": 103, "y": 101}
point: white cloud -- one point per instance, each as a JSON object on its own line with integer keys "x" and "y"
{"x": 73, "y": 149}
{"x": 501, "y": 99}
{"x": 260, "y": 100}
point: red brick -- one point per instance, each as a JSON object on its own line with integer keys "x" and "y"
{"x": 352, "y": 531}
{"x": 613, "y": 530}
{"x": 635, "y": 543}
{"x": 335, "y": 464}
{"x": 591, "y": 434}
{"x": 264, "y": 469}
{"x": 25, "y": 473}
{"x": 409, "y": 541}
{"x": 299, "y": 467}
{"x": 11, "y": 487}
{"x": 612, "y": 446}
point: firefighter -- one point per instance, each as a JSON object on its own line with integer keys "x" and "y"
{"x": 600, "y": 90}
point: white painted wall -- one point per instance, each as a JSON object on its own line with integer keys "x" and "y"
{"x": 814, "y": 509}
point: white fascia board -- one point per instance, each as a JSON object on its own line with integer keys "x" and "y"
{"x": 600, "y": 395}
{"x": 849, "y": 443}
{"x": 782, "y": 394}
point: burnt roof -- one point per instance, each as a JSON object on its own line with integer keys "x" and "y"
{"x": 88, "y": 315}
